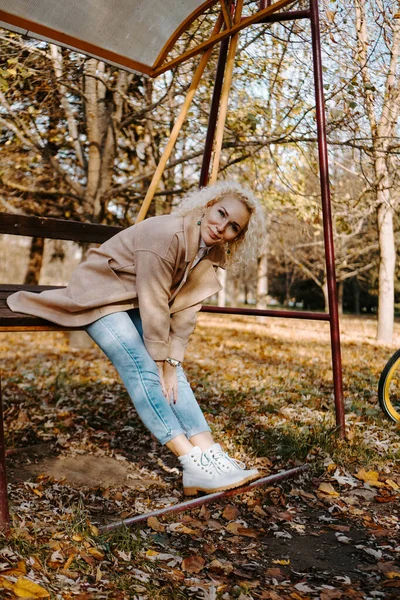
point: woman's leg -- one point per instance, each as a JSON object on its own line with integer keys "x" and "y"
{"x": 187, "y": 410}
{"x": 121, "y": 342}
{"x": 119, "y": 335}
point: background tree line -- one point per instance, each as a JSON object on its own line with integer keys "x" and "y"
{"x": 81, "y": 139}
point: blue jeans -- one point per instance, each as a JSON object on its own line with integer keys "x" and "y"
{"x": 120, "y": 336}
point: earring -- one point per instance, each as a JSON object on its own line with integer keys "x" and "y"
{"x": 199, "y": 222}
{"x": 228, "y": 251}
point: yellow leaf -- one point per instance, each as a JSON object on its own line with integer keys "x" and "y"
{"x": 96, "y": 553}
{"x": 77, "y": 537}
{"x": 392, "y": 484}
{"x": 181, "y": 528}
{"x": 369, "y": 477}
{"x": 328, "y": 489}
{"x": 281, "y": 562}
{"x": 152, "y": 553}
{"x": 392, "y": 574}
{"x": 25, "y": 588}
{"x": 68, "y": 562}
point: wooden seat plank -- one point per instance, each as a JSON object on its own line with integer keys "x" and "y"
{"x": 59, "y": 229}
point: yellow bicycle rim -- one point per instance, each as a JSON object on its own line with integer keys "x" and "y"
{"x": 386, "y": 392}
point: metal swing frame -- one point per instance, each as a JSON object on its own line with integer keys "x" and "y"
{"x": 225, "y": 31}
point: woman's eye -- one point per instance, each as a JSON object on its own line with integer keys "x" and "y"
{"x": 235, "y": 227}
{"x": 221, "y": 212}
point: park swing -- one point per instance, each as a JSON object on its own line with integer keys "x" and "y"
{"x": 217, "y": 129}
{"x": 225, "y": 32}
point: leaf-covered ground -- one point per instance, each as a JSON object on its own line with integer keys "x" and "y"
{"x": 78, "y": 458}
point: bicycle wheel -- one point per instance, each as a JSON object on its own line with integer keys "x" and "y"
{"x": 389, "y": 388}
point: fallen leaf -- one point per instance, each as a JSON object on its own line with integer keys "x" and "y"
{"x": 193, "y": 564}
{"x": 392, "y": 484}
{"x": 140, "y": 575}
{"x": 259, "y": 511}
{"x": 230, "y": 512}
{"x": 375, "y": 553}
{"x": 383, "y": 499}
{"x": 181, "y": 528}
{"x": 370, "y": 478}
{"x": 339, "y": 527}
{"x": 343, "y": 539}
{"x": 392, "y": 574}
{"x": 25, "y": 588}
{"x": 99, "y": 574}
{"x": 328, "y": 489}
{"x": 302, "y": 587}
{"x": 238, "y": 529}
{"x": 87, "y": 558}
{"x": 155, "y": 524}
{"x": 221, "y": 565}
{"x": 281, "y": 562}
{"x": 96, "y": 553}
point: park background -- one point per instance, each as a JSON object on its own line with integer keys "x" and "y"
{"x": 80, "y": 140}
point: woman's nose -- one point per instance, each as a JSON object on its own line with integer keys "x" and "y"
{"x": 221, "y": 227}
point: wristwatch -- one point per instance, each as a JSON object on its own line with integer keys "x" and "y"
{"x": 173, "y": 362}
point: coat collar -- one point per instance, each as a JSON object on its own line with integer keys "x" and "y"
{"x": 191, "y": 231}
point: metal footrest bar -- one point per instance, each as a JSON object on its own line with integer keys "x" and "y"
{"x": 202, "y": 500}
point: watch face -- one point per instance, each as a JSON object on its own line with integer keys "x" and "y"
{"x": 173, "y": 362}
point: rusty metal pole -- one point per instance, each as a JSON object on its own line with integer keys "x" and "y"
{"x": 4, "y": 513}
{"x": 327, "y": 218}
{"x": 208, "y": 499}
{"x": 212, "y": 119}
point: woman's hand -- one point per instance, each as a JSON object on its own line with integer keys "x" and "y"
{"x": 168, "y": 380}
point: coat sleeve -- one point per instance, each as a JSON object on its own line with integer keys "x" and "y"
{"x": 182, "y": 325}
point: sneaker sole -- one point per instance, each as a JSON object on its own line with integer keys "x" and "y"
{"x": 192, "y": 491}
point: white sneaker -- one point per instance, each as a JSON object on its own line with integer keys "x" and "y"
{"x": 227, "y": 463}
{"x": 203, "y": 473}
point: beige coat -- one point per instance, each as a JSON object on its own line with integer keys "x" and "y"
{"x": 148, "y": 266}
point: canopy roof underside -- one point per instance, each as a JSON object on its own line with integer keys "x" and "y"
{"x": 132, "y": 34}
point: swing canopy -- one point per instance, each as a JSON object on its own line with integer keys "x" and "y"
{"x": 141, "y": 36}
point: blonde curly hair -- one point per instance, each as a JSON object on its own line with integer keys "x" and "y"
{"x": 248, "y": 245}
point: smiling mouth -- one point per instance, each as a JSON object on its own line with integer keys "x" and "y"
{"x": 213, "y": 236}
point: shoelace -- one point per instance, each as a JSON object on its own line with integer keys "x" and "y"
{"x": 207, "y": 459}
{"x": 221, "y": 455}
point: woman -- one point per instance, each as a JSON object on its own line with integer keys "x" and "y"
{"x": 139, "y": 294}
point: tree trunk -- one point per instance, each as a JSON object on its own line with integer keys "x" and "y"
{"x": 324, "y": 288}
{"x": 356, "y": 296}
{"x": 262, "y": 281}
{"x": 386, "y": 274}
{"x": 340, "y": 297}
{"x": 236, "y": 291}
{"x": 222, "y": 293}
{"x": 32, "y": 276}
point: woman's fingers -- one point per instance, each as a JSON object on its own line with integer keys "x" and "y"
{"x": 171, "y": 381}
{"x": 168, "y": 381}
{"x": 162, "y": 380}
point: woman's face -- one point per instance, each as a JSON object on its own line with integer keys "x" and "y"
{"x": 224, "y": 221}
